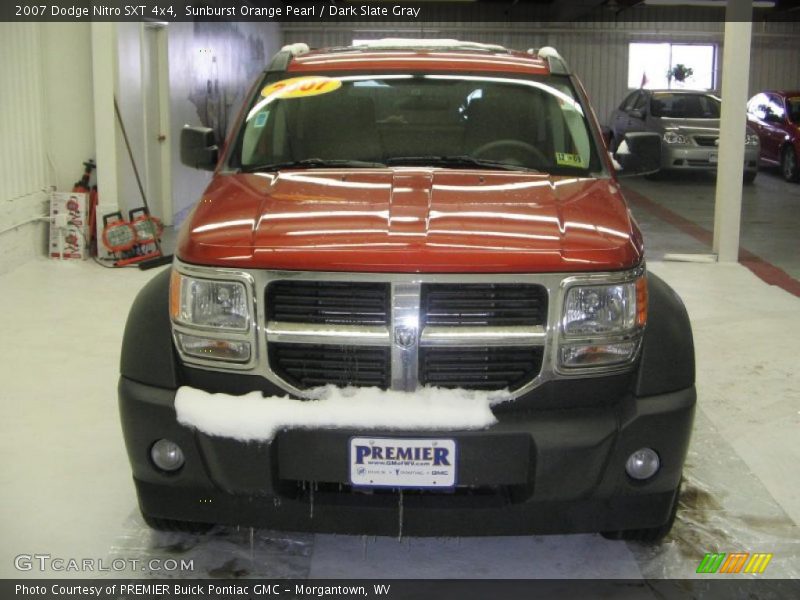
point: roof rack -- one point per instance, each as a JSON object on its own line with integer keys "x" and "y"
{"x": 296, "y": 49}
{"x": 555, "y": 61}
{"x": 434, "y": 44}
{"x": 280, "y": 62}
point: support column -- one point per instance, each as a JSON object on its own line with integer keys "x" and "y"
{"x": 735, "y": 78}
{"x": 104, "y": 84}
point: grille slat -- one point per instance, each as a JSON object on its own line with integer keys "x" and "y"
{"x": 310, "y": 365}
{"x": 472, "y": 304}
{"x": 328, "y": 302}
{"x": 479, "y": 368}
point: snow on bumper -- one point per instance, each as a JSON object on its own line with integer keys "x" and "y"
{"x": 253, "y": 417}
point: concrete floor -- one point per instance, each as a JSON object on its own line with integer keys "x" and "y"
{"x": 66, "y": 488}
{"x": 770, "y": 226}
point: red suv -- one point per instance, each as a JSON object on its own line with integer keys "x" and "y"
{"x": 775, "y": 117}
{"x": 412, "y": 299}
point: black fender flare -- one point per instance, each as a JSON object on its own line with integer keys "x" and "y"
{"x": 148, "y": 355}
{"x": 667, "y": 354}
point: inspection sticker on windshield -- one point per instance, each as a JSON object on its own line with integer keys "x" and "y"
{"x": 301, "y": 87}
{"x": 403, "y": 462}
{"x": 569, "y": 160}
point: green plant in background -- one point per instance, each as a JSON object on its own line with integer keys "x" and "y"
{"x": 679, "y": 73}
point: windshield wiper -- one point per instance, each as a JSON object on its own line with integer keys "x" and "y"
{"x": 455, "y": 161}
{"x": 311, "y": 163}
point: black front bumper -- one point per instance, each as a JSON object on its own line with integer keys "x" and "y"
{"x": 535, "y": 471}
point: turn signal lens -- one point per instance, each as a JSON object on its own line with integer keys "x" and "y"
{"x": 641, "y": 301}
{"x": 174, "y": 294}
{"x": 214, "y": 349}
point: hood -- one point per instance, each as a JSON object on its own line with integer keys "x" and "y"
{"x": 411, "y": 220}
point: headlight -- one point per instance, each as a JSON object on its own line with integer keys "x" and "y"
{"x": 599, "y": 309}
{"x": 751, "y": 139}
{"x": 211, "y": 320}
{"x": 670, "y": 137}
{"x": 209, "y": 304}
{"x": 601, "y": 324}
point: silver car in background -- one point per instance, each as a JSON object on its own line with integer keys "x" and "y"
{"x": 688, "y": 123}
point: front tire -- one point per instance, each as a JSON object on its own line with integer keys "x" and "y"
{"x": 648, "y": 535}
{"x": 789, "y": 166}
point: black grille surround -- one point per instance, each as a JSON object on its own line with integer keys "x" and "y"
{"x": 479, "y": 368}
{"x": 489, "y": 304}
{"x": 328, "y": 302}
{"x": 313, "y": 365}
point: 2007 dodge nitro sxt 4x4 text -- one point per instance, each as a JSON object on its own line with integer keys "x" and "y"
{"x": 411, "y": 299}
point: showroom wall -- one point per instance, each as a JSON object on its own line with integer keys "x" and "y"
{"x": 46, "y": 127}
{"x": 597, "y": 49}
{"x": 212, "y": 66}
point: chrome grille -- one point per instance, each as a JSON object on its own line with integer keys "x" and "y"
{"x": 399, "y": 335}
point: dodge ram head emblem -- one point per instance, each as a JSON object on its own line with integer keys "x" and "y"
{"x": 405, "y": 336}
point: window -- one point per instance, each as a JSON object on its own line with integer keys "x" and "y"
{"x": 684, "y": 105}
{"x": 649, "y": 66}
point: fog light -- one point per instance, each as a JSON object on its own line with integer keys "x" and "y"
{"x": 643, "y": 464}
{"x": 167, "y": 455}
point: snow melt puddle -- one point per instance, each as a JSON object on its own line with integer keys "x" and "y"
{"x": 253, "y": 417}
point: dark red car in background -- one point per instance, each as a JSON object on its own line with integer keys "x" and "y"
{"x": 775, "y": 117}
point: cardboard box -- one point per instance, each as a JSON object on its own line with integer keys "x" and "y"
{"x": 68, "y": 225}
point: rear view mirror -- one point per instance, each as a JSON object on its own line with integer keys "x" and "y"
{"x": 199, "y": 148}
{"x": 639, "y": 153}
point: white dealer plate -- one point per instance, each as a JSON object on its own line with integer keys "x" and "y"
{"x": 403, "y": 462}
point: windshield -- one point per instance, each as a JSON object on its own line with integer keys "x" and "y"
{"x": 448, "y": 120}
{"x": 684, "y": 106}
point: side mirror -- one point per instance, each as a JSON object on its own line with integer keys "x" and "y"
{"x": 199, "y": 148}
{"x": 639, "y": 153}
{"x": 636, "y": 113}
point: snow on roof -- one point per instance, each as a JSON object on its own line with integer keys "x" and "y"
{"x": 253, "y": 417}
{"x": 426, "y": 43}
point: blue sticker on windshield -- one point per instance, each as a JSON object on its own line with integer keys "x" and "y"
{"x": 261, "y": 119}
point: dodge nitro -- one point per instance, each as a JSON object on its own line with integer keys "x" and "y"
{"x": 411, "y": 300}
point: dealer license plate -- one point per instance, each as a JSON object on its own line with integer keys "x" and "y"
{"x": 403, "y": 462}
{"x": 712, "y": 158}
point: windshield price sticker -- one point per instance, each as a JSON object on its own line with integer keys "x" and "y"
{"x": 301, "y": 87}
{"x": 403, "y": 463}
